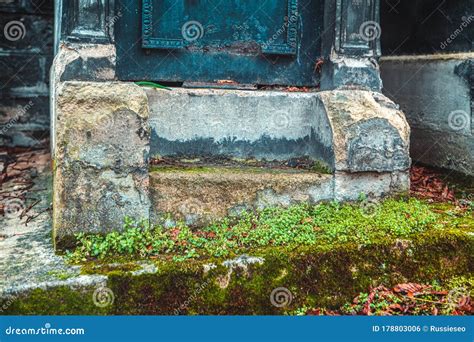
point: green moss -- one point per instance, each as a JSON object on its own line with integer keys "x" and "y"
{"x": 107, "y": 268}
{"x": 60, "y": 275}
{"x": 190, "y": 169}
{"x": 313, "y": 276}
{"x": 222, "y": 163}
{"x": 321, "y": 167}
{"x": 316, "y": 276}
{"x": 325, "y": 255}
{"x": 233, "y": 169}
{"x": 60, "y": 300}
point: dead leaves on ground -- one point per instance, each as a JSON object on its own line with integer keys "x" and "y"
{"x": 427, "y": 184}
{"x": 406, "y": 299}
{"x": 18, "y": 168}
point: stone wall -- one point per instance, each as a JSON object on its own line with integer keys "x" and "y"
{"x": 26, "y": 53}
{"x": 438, "y": 104}
{"x": 428, "y": 69}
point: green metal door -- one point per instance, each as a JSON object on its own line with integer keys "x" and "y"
{"x": 267, "y": 42}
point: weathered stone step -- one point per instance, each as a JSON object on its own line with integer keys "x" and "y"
{"x": 101, "y": 172}
{"x": 201, "y": 194}
{"x": 326, "y": 276}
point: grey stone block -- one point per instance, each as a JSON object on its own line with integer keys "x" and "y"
{"x": 436, "y": 94}
{"x": 351, "y": 72}
{"x": 262, "y": 124}
{"x": 369, "y": 133}
{"x": 80, "y": 62}
{"x": 350, "y": 186}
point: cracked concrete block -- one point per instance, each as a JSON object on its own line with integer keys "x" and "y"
{"x": 101, "y": 157}
{"x": 244, "y": 124}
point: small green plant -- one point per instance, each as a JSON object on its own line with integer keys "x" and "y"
{"x": 151, "y": 85}
{"x": 299, "y": 225}
{"x": 60, "y": 275}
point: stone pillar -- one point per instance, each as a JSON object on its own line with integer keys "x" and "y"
{"x": 351, "y": 44}
{"x": 100, "y": 129}
{"x": 101, "y": 157}
{"x": 371, "y": 136}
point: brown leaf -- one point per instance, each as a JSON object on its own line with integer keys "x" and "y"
{"x": 396, "y": 307}
{"x": 411, "y": 289}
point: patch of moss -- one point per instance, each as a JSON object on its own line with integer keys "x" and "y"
{"x": 315, "y": 276}
{"x": 190, "y": 169}
{"x": 60, "y": 275}
{"x": 106, "y": 268}
{"x": 321, "y": 167}
{"x": 233, "y": 169}
{"x": 217, "y": 162}
{"x": 60, "y": 300}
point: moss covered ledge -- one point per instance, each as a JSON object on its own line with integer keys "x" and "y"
{"x": 320, "y": 276}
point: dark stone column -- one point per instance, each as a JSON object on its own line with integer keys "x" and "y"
{"x": 351, "y": 44}
{"x": 87, "y": 21}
